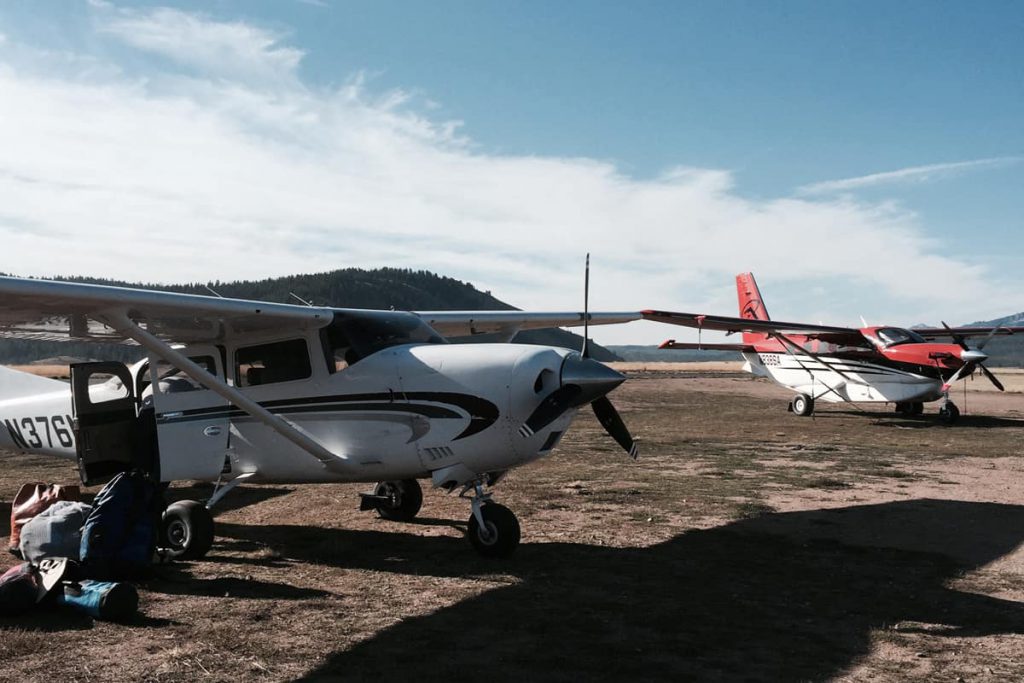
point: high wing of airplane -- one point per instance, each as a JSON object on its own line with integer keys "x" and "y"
{"x": 236, "y": 391}
{"x": 873, "y": 364}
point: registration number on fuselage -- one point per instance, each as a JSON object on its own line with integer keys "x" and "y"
{"x": 43, "y": 431}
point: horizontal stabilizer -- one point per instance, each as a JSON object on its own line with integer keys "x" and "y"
{"x": 17, "y": 384}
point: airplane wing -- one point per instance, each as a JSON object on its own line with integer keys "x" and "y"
{"x": 62, "y": 311}
{"x": 701, "y": 346}
{"x": 952, "y": 332}
{"x": 466, "y": 323}
{"x": 730, "y": 325}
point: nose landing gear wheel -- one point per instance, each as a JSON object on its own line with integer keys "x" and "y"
{"x": 405, "y": 499}
{"x": 499, "y": 537}
{"x": 802, "y": 405}
{"x": 186, "y": 531}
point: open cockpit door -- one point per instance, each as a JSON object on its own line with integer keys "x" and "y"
{"x": 191, "y": 421}
{"x": 106, "y": 426}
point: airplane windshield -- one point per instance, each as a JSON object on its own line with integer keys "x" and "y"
{"x": 366, "y": 332}
{"x": 891, "y": 336}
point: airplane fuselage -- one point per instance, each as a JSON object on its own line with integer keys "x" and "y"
{"x": 838, "y": 379}
{"x": 444, "y": 411}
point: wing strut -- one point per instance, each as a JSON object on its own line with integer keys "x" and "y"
{"x": 126, "y": 326}
{"x": 797, "y": 349}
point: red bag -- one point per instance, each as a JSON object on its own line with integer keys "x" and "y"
{"x": 23, "y": 585}
{"x": 30, "y": 501}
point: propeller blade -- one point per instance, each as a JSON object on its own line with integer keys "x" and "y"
{"x": 585, "y": 352}
{"x": 550, "y": 409}
{"x": 992, "y": 378}
{"x": 613, "y": 424}
{"x": 956, "y": 337}
{"x": 984, "y": 342}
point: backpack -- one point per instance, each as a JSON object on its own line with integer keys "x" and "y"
{"x": 119, "y": 536}
{"x": 55, "y": 532}
{"x": 30, "y": 501}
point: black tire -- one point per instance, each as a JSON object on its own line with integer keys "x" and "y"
{"x": 803, "y": 405}
{"x": 910, "y": 408}
{"x": 948, "y": 413}
{"x": 502, "y": 536}
{"x": 406, "y": 498}
{"x": 187, "y": 530}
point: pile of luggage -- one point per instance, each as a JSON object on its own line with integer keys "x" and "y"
{"x": 82, "y": 556}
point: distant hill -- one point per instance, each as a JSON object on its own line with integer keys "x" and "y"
{"x": 382, "y": 288}
{"x": 1015, "y": 320}
{"x": 1004, "y": 351}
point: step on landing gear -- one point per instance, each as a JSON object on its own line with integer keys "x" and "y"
{"x": 493, "y": 528}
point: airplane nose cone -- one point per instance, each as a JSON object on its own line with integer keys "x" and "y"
{"x": 973, "y": 356}
{"x": 593, "y": 378}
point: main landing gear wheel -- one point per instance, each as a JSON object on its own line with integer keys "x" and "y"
{"x": 499, "y": 535}
{"x": 948, "y": 413}
{"x": 909, "y": 408}
{"x": 187, "y": 530}
{"x": 802, "y": 405}
{"x": 405, "y": 498}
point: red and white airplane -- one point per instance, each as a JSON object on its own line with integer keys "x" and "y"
{"x": 872, "y": 364}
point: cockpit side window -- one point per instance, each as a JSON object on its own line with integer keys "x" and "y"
{"x": 283, "y": 361}
{"x": 367, "y": 332}
{"x": 172, "y": 380}
{"x": 891, "y": 336}
{"x": 338, "y": 350}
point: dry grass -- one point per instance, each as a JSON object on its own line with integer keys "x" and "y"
{"x": 746, "y": 544}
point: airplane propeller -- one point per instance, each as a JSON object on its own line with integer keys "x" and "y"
{"x": 973, "y": 357}
{"x": 584, "y": 380}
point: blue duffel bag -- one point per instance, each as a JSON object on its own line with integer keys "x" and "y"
{"x": 119, "y": 536}
{"x": 99, "y": 599}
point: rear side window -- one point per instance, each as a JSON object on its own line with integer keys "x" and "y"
{"x": 284, "y": 361}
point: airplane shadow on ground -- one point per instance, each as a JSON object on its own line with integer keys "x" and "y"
{"x": 926, "y": 421}
{"x": 240, "y": 497}
{"x": 781, "y": 597}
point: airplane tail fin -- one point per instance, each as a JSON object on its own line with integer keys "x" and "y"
{"x": 751, "y": 305}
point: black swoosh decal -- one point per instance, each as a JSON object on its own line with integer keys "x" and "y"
{"x": 482, "y": 413}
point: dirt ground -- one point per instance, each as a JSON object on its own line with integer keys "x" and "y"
{"x": 745, "y": 544}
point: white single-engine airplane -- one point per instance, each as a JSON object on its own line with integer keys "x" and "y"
{"x": 237, "y": 391}
{"x": 872, "y": 364}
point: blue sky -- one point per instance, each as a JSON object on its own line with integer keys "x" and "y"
{"x": 861, "y": 158}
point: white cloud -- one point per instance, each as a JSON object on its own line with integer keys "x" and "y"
{"x": 913, "y": 174}
{"x": 227, "y": 49}
{"x": 215, "y": 174}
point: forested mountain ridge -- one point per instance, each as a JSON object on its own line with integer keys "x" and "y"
{"x": 382, "y": 288}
